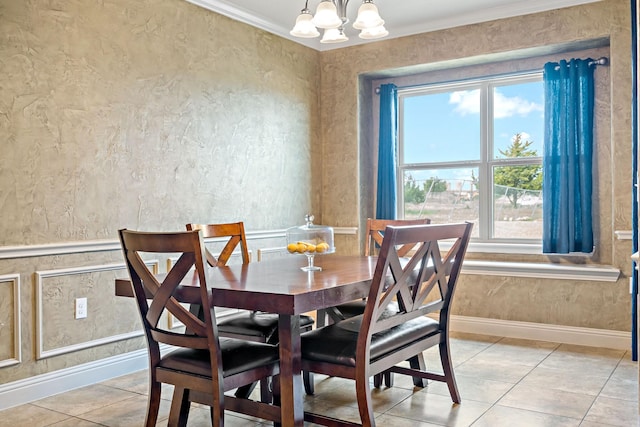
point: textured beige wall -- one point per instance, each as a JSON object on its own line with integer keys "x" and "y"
{"x": 141, "y": 114}
{"x": 348, "y": 177}
{"x": 150, "y": 114}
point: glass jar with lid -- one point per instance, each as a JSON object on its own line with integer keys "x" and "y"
{"x": 310, "y": 240}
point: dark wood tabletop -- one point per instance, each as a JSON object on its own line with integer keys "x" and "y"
{"x": 280, "y": 286}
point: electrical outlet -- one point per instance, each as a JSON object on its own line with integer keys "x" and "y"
{"x": 81, "y": 308}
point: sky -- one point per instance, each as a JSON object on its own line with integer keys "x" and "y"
{"x": 446, "y": 126}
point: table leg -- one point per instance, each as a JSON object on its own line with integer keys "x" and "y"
{"x": 291, "y": 389}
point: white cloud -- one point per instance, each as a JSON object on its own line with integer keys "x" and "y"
{"x": 516, "y": 106}
{"x": 468, "y": 102}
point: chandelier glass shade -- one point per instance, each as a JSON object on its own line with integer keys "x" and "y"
{"x": 331, "y": 16}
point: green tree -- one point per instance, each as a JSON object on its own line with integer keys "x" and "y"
{"x": 412, "y": 192}
{"x": 434, "y": 185}
{"x": 518, "y": 178}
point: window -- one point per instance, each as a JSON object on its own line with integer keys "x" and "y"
{"x": 472, "y": 151}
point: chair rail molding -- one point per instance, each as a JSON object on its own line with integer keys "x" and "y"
{"x": 63, "y": 248}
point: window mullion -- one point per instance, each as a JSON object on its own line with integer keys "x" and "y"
{"x": 486, "y": 181}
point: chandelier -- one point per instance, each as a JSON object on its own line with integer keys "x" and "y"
{"x": 331, "y": 15}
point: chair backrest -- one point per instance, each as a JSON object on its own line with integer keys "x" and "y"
{"x": 375, "y": 233}
{"x": 234, "y": 231}
{"x": 155, "y": 293}
{"x": 423, "y": 284}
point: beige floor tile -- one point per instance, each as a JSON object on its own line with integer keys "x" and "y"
{"x": 626, "y": 370}
{"x": 329, "y": 408}
{"x": 588, "y": 351}
{"x": 464, "y": 349}
{"x": 473, "y": 388}
{"x": 396, "y": 421}
{"x": 125, "y": 413}
{"x": 74, "y": 422}
{"x": 29, "y": 415}
{"x": 435, "y": 409}
{"x": 555, "y": 402}
{"x": 519, "y": 351}
{"x": 502, "y": 416}
{"x": 580, "y": 359}
{"x": 85, "y": 399}
{"x": 557, "y": 379}
{"x": 613, "y": 412}
{"x": 343, "y": 393}
{"x": 593, "y": 424}
{"x": 137, "y": 382}
{"x": 497, "y": 370}
{"x": 623, "y": 389}
{"x": 574, "y": 364}
{"x": 201, "y": 417}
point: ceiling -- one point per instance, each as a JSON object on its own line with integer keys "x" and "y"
{"x": 402, "y": 17}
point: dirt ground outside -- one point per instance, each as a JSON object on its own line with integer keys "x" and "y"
{"x": 523, "y": 222}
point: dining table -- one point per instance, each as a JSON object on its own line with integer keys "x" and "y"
{"x": 280, "y": 286}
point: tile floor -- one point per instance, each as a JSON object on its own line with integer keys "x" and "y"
{"x": 503, "y": 382}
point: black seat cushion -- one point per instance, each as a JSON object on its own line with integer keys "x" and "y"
{"x": 237, "y": 356}
{"x": 336, "y": 343}
{"x": 257, "y": 324}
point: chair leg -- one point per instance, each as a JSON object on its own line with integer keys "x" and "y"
{"x": 388, "y": 378}
{"x": 180, "y": 406}
{"x": 447, "y": 367}
{"x": 377, "y": 380}
{"x": 307, "y": 379}
{"x": 266, "y": 396}
{"x": 275, "y": 384}
{"x": 365, "y": 405}
{"x": 417, "y": 362}
{"x": 153, "y": 405}
{"x": 321, "y": 318}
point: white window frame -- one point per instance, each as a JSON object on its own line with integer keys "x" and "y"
{"x": 485, "y": 164}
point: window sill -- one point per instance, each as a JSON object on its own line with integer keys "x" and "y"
{"x": 595, "y": 273}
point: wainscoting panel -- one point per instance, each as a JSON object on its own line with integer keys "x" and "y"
{"x": 11, "y": 331}
{"x": 269, "y": 253}
{"x": 57, "y": 330}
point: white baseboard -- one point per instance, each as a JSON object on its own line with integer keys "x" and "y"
{"x": 45, "y": 385}
{"x": 619, "y": 340}
{"x": 41, "y": 386}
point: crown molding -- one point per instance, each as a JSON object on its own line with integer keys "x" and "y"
{"x": 486, "y": 14}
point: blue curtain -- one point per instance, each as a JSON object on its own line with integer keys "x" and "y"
{"x": 567, "y": 160}
{"x": 386, "y": 196}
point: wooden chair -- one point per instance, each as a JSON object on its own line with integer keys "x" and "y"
{"x": 204, "y": 366}
{"x": 376, "y": 341}
{"x": 373, "y": 241}
{"x": 374, "y": 235}
{"x": 252, "y": 326}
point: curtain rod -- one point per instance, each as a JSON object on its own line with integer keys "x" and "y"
{"x": 603, "y": 60}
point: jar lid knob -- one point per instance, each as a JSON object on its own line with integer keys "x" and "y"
{"x": 309, "y": 219}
